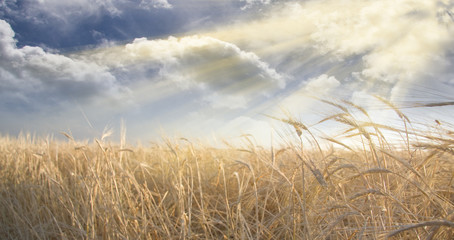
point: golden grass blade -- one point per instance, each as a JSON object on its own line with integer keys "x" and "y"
{"x": 392, "y": 106}
{"x": 126, "y": 150}
{"x": 314, "y": 170}
{"x": 361, "y": 109}
{"x": 366, "y": 192}
{"x": 331, "y": 226}
{"x": 67, "y": 135}
{"x": 403, "y": 162}
{"x": 339, "y": 115}
{"x": 339, "y": 143}
{"x": 344, "y": 109}
{"x": 369, "y": 171}
{"x": 343, "y": 166}
{"x": 444, "y": 223}
{"x": 439, "y": 104}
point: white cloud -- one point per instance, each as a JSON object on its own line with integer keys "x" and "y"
{"x": 162, "y": 78}
{"x": 321, "y": 85}
{"x": 73, "y": 11}
{"x": 395, "y": 43}
{"x": 223, "y": 73}
{"x": 401, "y": 42}
{"x": 227, "y": 76}
{"x": 155, "y": 3}
{"x": 65, "y": 10}
{"x": 250, "y": 3}
{"x": 31, "y": 76}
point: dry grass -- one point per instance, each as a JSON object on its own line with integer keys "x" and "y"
{"x": 179, "y": 190}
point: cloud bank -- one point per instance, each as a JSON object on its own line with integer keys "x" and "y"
{"x": 67, "y": 24}
{"x": 223, "y": 74}
{"x": 229, "y": 75}
{"x": 374, "y": 46}
{"x": 34, "y": 78}
{"x": 187, "y": 74}
{"x": 67, "y": 10}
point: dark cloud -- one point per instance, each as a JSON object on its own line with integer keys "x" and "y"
{"x": 69, "y": 25}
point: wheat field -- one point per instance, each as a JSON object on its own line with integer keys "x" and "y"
{"x": 178, "y": 189}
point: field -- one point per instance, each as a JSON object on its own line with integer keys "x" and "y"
{"x": 311, "y": 187}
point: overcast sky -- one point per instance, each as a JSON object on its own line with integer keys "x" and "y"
{"x": 198, "y": 68}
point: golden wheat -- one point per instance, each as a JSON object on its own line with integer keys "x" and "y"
{"x": 53, "y": 189}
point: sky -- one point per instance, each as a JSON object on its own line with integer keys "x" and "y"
{"x": 216, "y": 69}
